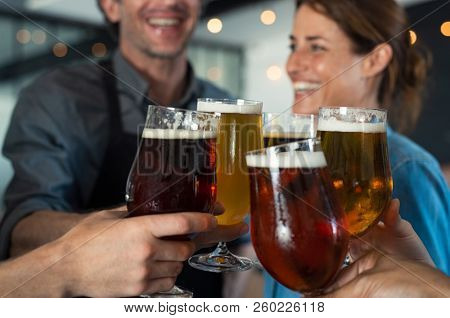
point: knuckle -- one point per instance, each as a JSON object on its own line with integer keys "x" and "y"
{"x": 183, "y": 224}
{"x": 186, "y": 250}
{"x": 150, "y": 251}
{"x": 167, "y": 284}
{"x": 178, "y": 268}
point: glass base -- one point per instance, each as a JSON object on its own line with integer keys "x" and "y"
{"x": 220, "y": 260}
{"x": 175, "y": 292}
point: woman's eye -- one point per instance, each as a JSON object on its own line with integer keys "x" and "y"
{"x": 317, "y": 48}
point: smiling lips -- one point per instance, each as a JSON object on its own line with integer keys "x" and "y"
{"x": 305, "y": 86}
{"x": 303, "y": 89}
{"x": 164, "y": 22}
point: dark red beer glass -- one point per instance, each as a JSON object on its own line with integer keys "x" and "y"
{"x": 298, "y": 227}
{"x": 174, "y": 170}
{"x": 175, "y": 167}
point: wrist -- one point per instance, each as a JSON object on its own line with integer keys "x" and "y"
{"x": 65, "y": 268}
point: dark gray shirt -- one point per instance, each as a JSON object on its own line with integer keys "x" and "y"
{"x": 59, "y": 133}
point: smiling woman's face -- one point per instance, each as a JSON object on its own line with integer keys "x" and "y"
{"x": 322, "y": 66}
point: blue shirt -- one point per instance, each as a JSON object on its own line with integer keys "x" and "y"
{"x": 424, "y": 202}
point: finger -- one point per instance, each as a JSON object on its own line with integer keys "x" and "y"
{"x": 394, "y": 222}
{"x": 118, "y": 212}
{"x": 178, "y": 251}
{"x": 218, "y": 209}
{"x": 172, "y": 224}
{"x": 346, "y": 291}
{"x": 351, "y": 272}
{"x": 161, "y": 269}
{"x": 223, "y": 233}
{"x": 392, "y": 214}
{"x": 159, "y": 285}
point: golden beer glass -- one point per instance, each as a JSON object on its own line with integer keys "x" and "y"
{"x": 283, "y": 128}
{"x": 355, "y": 145}
{"x": 240, "y": 131}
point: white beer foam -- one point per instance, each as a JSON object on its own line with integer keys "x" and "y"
{"x": 343, "y": 126}
{"x": 291, "y": 134}
{"x": 296, "y": 159}
{"x": 227, "y": 108}
{"x": 177, "y": 134}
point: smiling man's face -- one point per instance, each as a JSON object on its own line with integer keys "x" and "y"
{"x": 157, "y": 28}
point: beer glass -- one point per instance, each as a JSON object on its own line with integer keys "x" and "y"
{"x": 174, "y": 169}
{"x": 298, "y": 227}
{"x": 282, "y": 128}
{"x": 355, "y": 146}
{"x": 240, "y": 130}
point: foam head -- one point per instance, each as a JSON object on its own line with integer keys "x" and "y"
{"x": 150, "y": 133}
{"x": 294, "y": 159}
{"x": 239, "y": 106}
{"x": 333, "y": 124}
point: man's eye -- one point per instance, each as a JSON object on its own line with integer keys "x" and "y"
{"x": 292, "y": 47}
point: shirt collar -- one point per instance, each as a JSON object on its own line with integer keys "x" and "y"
{"x": 129, "y": 81}
{"x": 132, "y": 83}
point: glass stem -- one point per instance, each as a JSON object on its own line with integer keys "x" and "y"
{"x": 221, "y": 250}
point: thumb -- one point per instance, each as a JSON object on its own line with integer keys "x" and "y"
{"x": 353, "y": 271}
{"x": 349, "y": 290}
{"x": 392, "y": 217}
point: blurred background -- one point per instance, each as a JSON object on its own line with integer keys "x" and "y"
{"x": 241, "y": 45}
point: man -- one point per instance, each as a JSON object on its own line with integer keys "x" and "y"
{"x": 73, "y": 134}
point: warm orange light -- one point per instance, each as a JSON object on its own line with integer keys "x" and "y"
{"x": 214, "y": 25}
{"x": 23, "y": 36}
{"x": 338, "y": 184}
{"x": 214, "y": 73}
{"x": 412, "y": 37}
{"x": 377, "y": 184}
{"x": 38, "y": 37}
{"x": 268, "y": 17}
{"x": 445, "y": 28}
{"x": 273, "y": 73}
{"x": 99, "y": 50}
{"x": 60, "y": 49}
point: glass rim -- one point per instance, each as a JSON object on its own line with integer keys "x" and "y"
{"x": 381, "y": 110}
{"x": 181, "y": 110}
{"x": 230, "y": 106}
{"x": 308, "y": 141}
{"x": 231, "y": 101}
{"x": 292, "y": 114}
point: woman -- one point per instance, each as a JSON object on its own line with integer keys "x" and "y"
{"x": 358, "y": 53}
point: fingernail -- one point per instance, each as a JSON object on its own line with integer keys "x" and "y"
{"x": 214, "y": 221}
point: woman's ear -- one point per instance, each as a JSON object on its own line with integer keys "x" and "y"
{"x": 377, "y": 60}
{"x": 111, "y": 10}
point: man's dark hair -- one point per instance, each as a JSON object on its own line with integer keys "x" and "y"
{"x": 113, "y": 28}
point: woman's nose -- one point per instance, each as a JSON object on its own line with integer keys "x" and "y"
{"x": 297, "y": 63}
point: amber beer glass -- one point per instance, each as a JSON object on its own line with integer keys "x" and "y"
{"x": 240, "y": 130}
{"x": 282, "y": 128}
{"x": 298, "y": 227}
{"x": 355, "y": 146}
{"x": 175, "y": 167}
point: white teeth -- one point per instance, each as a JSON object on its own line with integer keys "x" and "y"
{"x": 163, "y": 22}
{"x": 305, "y": 86}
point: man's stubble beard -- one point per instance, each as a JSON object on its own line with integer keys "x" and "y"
{"x": 166, "y": 56}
